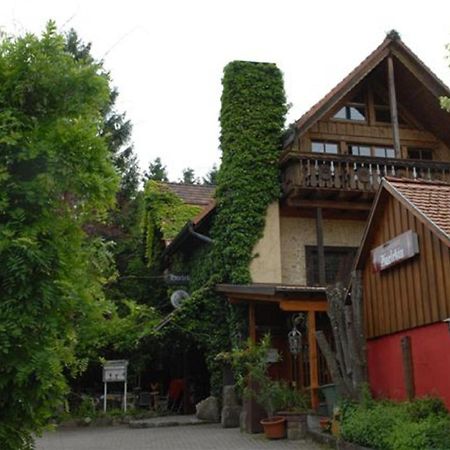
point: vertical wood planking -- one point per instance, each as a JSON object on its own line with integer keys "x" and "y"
{"x": 387, "y": 276}
{"x": 439, "y": 276}
{"x": 431, "y": 271}
{"x": 408, "y": 277}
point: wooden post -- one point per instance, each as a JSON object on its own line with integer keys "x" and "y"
{"x": 393, "y": 106}
{"x": 313, "y": 360}
{"x": 408, "y": 369}
{"x": 251, "y": 322}
{"x": 320, "y": 250}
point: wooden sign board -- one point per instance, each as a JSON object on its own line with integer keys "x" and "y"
{"x": 395, "y": 251}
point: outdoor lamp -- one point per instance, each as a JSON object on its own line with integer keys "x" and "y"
{"x": 295, "y": 340}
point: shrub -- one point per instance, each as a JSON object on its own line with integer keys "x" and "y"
{"x": 420, "y": 425}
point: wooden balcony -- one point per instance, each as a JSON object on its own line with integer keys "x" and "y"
{"x": 344, "y": 177}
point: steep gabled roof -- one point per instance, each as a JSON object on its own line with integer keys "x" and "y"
{"x": 192, "y": 194}
{"x": 418, "y": 72}
{"x": 429, "y": 201}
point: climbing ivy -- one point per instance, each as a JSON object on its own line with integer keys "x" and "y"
{"x": 165, "y": 215}
{"x": 252, "y": 119}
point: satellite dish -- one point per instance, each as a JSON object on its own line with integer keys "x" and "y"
{"x": 178, "y": 297}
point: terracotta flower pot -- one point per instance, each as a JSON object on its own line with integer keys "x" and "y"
{"x": 274, "y": 427}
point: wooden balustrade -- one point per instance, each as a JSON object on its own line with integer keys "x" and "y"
{"x": 352, "y": 173}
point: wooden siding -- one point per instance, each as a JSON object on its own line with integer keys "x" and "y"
{"x": 347, "y": 132}
{"x": 413, "y": 293}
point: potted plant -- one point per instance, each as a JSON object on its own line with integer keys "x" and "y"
{"x": 251, "y": 371}
{"x": 294, "y": 408}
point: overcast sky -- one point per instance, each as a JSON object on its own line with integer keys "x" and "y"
{"x": 167, "y": 57}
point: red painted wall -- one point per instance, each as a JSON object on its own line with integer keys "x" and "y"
{"x": 431, "y": 361}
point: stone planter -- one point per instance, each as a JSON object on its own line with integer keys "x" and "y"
{"x": 296, "y": 424}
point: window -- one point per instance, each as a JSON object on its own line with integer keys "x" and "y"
{"x": 360, "y": 150}
{"x": 352, "y": 112}
{"x": 383, "y": 152}
{"x": 338, "y": 264}
{"x": 324, "y": 147}
{"x": 368, "y": 150}
{"x": 383, "y": 111}
{"x": 420, "y": 153}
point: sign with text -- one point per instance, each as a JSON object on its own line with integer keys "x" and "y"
{"x": 395, "y": 251}
{"x": 115, "y": 371}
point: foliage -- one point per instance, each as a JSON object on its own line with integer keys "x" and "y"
{"x": 250, "y": 363}
{"x": 165, "y": 214}
{"x": 252, "y": 118}
{"x": 124, "y": 331}
{"x": 188, "y": 176}
{"x": 211, "y": 177}
{"x": 420, "y": 425}
{"x": 56, "y": 176}
{"x": 156, "y": 171}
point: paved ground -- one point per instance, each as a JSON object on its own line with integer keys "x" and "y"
{"x": 199, "y": 437}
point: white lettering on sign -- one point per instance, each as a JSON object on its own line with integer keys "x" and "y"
{"x": 391, "y": 257}
{"x": 395, "y": 251}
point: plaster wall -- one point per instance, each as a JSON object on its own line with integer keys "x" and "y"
{"x": 430, "y": 348}
{"x": 266, "y": 264}
{"x": 297, "y": 232}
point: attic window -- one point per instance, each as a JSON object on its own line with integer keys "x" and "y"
{"x": 356, "y": 112}
{"x": 383, "y": 111}
{"x": 354, "y": 109}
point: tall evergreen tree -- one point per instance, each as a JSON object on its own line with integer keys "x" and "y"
{"x": 188, "y": 176}
{"x": 211, "y": 177}
{"x": 156, "y": 171}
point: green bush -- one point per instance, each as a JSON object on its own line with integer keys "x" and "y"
{"x": 420, "y": 425}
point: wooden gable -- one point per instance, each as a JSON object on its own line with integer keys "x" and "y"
{"x": 422, "y": 122}
{"x": 415, "y": 292}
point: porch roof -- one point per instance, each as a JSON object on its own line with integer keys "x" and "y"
{"x": 288, "y": 297}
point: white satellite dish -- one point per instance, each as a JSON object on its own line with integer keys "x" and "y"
{"x": 178, "y": 297}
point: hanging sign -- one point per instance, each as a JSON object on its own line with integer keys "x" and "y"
{"x": 395, "y": 251}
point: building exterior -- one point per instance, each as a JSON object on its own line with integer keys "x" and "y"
{"x": 405, "y": 262}
{"x": 384, "y": 119}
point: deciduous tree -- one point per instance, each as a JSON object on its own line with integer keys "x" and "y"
{"x": 56, "y": 175}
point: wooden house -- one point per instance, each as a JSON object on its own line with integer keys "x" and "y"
{"x": 383, "y": 119}
{"x": 405, "y": 262}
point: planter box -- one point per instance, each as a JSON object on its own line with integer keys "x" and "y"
{"x": 296, "y": 424}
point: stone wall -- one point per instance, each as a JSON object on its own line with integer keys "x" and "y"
{"x": 298, "y": 232}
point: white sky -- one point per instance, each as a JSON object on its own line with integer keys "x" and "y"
{"x": 166, "y": 57}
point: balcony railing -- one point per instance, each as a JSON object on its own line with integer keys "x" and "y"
{"x": 355, "y": 173}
